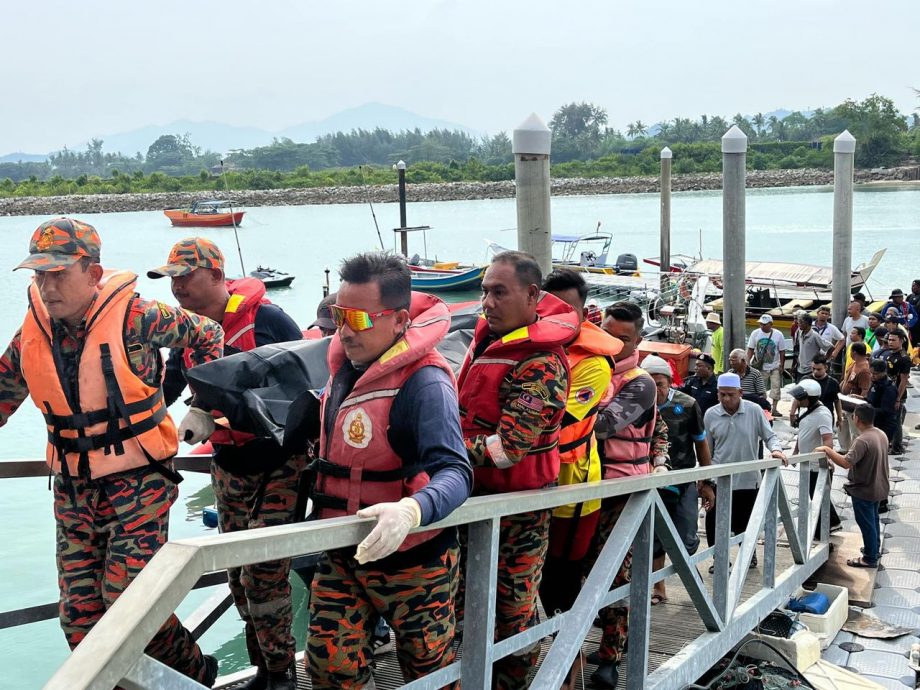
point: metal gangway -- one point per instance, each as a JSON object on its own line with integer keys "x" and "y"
{"x": 726, "y": 609}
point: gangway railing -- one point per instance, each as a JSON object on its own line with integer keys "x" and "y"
{"x": 113, "y": 652}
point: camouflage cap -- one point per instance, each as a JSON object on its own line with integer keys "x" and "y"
{"x": 187, "y": 255}
{"x": 61, "y": 242}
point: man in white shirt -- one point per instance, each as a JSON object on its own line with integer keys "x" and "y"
{"x": 830, "y": 333}
{"x": 766, "y": 350}
{"x": 816, "y": 428}
{"x": 855, "y": 317}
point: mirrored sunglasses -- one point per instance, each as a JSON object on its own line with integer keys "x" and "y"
{"x": 357, "y": 319}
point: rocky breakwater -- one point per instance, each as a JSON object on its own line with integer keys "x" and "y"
{"x": 448, "y": 191}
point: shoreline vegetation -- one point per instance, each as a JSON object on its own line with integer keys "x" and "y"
{"x": 430, "y": 191}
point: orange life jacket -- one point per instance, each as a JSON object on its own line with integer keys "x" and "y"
{"x": 357, "y": 466}
{"x": 119, "y": 421}
{"x": 574, "y": 525}
{"x": 239, "y": 324}
{"x": 480, "y": 380}
{"x": 628, "y": 453}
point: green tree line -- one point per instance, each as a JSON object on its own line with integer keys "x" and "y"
{"x": 583, "y": 146}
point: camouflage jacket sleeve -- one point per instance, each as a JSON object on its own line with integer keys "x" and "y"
{"x": 533, "y": 394}
{"x": 160, "y": 325}
{"x": 660, "y": 443}
{"x": 13, "y": 388}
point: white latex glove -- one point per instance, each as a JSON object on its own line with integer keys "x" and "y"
{"x": 196, "y": 426}
{"x": 659, "y": 464}
{"x": 661, "y": 469}
{"x": 394, "y": 520}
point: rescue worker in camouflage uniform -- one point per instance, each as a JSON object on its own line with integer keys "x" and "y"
{"x": 514, "y": 384}
{"x": 88, "y": 354}
{"x": 635, "y": 442}
{"x": 255, "y": 482}
{"x": 573, "y": 527}
{"x": 391, "y": 449}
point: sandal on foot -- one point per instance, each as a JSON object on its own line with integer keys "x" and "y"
{"x": 658, "y": 599}
{"x": 860, "y": 563}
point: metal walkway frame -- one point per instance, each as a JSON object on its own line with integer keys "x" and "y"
{"x": 113, "y": 652}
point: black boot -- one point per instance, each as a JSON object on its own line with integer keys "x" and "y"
{"x": 606, "y": 676}
{"x": 257, "y": 682}
{"x": 210, "y": 670}
{"x": 283, "y": 680}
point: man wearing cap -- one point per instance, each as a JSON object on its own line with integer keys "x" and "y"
{"x": 635, "y": 443}
{"x": 254, "y": 481}
{"x": 702, "y": 386}
{"x": 766, "y": 351}
{"x": 733, "y": 429}
{"x": 88, "y": 354}
{"x": 714, "y": 324}
{"x": 816, "y": 428}
{"x": 324, "y": 326}
{"x": 898, "y": 369}
{"x": 687, "y": 448}
{"x": 904, "y": 308}
{"x": 805, "y": 345}
{"x": 573, "y": 527}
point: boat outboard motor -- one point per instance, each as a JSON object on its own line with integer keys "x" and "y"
{"x": 627, "y": 263}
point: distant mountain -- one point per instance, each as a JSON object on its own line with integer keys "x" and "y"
{"x": 24, "y": 158}
{"x": 219, "y": 137}
{"x": 369, "y": 116}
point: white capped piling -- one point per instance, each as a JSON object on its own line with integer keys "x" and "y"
{"x": 734, "y": 155}
{"x": 530, "y": 145}
{"x": 665, "y": 234}
{"x": 403, "y": 235}
{"x": 844, "y": 155}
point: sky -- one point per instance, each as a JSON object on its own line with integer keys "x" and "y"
{"x": 74, "y": 70}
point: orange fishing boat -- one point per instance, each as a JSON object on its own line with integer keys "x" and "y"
{"x": 210, "y": 213}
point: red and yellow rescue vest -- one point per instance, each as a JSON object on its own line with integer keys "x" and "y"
{"x": 239, "y": 324}
{"x": 120, "y": 422}
{"x": 480, "y": 380}
{"x": 628, "y": 453}
{"x": 357, "y": 466}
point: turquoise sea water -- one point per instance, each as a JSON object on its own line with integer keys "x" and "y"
{"x": 782, "y": 225}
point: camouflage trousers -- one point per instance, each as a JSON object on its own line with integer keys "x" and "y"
{"x": 522, "y": 548}
{"x": 261, "y": 591}
{"x": 614, "y": 619}
{"x": 107, "y": 530}
{"x": 346, "y": 600}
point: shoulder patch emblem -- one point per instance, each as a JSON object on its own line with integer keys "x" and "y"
{"x": 357, "y": 428}
{"x": 528, "y": 402}
{"x": 585, "y": 394}
{"x": 536, "y": 389}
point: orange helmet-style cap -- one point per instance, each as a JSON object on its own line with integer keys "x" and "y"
{"x": 61, "y": 242}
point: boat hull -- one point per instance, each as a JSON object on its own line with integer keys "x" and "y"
{"x": 447, "y": 281}
{"x": 183, "y": 219}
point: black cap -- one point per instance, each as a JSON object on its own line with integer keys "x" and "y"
{"x": 324, "y": 313}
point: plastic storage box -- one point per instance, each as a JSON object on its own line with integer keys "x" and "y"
{"x": 827, "y": 625}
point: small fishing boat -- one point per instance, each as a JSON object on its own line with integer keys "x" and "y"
{"x": 272, "y": 277}
{"x": 456, "y": 279}
{"x": 210, "y": 213}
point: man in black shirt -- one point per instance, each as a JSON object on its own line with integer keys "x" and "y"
{"x": 883, "y": 396}
{"x": 702, "y": 386}
{"x": 897, "y": 363}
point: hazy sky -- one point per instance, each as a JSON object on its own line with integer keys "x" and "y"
{"x": 73, "y": 70}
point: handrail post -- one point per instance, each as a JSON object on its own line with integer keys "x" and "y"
{"x": 481, "y": 577}
{"x": 803, "y": 528}
{"x": 722, "y": 554}
{"x": 769, "y": 539}
{"x": 640, "y": 590}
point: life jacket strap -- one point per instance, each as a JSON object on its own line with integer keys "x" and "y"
{"x": 332, "y": 469}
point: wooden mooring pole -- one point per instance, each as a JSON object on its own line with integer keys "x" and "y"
{"x": 530, "y": 145}
{"x": 734, "y": 155}
{"x": 665, "y": 253}
{"x": 403, "y": 235}
{"x": 844, "y": 155}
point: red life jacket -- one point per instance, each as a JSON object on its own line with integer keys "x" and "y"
{"x": 357, "y": 466}
{"x": 480, "y": 381}
{"x": 121, "y": 422}
{"x": 628, "y": 453}
{"x": 239, "y": 324}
